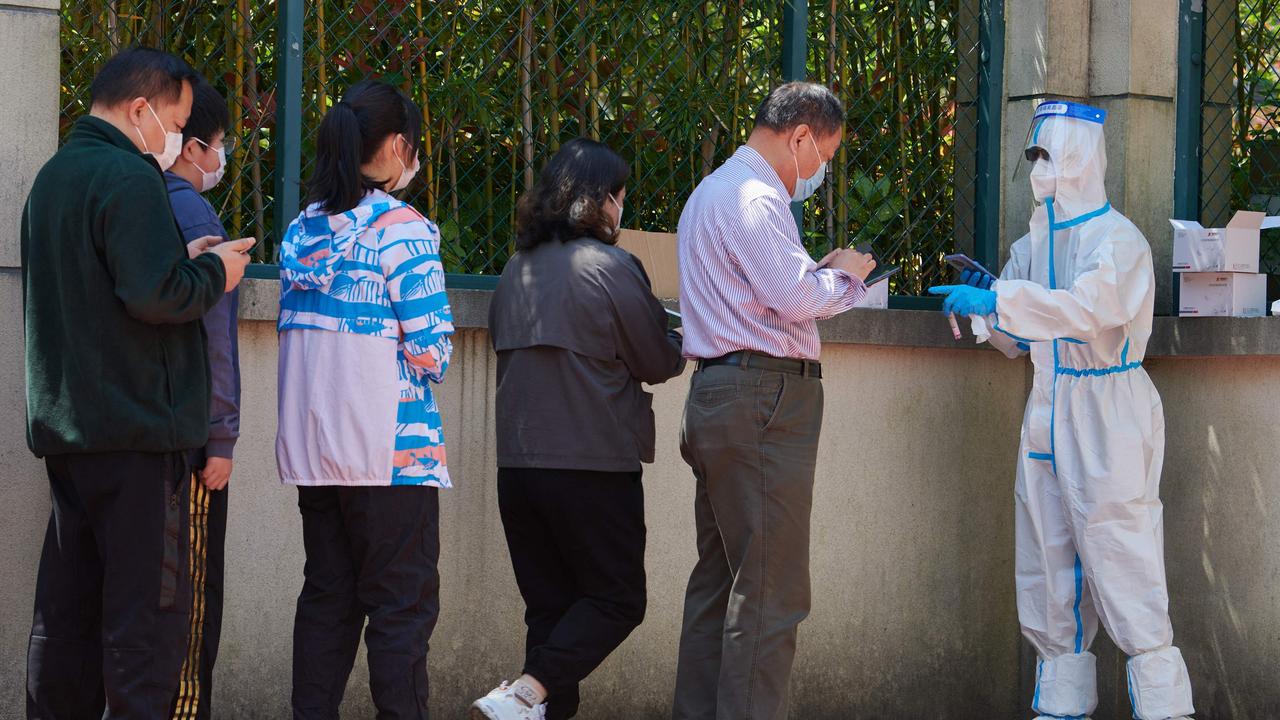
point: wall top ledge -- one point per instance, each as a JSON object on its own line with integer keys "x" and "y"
{"x": 50, "y": 6}
{"x": 1171, "y": 336}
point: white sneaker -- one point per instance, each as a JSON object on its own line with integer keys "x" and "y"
{"x": 502, "y": 704}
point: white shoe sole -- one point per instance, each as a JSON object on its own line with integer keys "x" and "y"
{"x": 478, "y": 713}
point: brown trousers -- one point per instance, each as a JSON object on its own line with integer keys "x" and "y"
{"x": 751, "y": 437}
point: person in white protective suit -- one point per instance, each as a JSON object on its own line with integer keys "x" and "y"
{"x": 1078, "y": 294}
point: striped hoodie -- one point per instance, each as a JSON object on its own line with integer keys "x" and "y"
{"x": 364, "y": 325}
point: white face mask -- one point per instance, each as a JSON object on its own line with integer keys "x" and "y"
{"x": 209, "y": 179}
{"x": 172, "y": 143}
{"x": 406, "y": 174}
{"x": 1044, "y": 182}
{"x": 615, "y": 202}
{"x": 808, "y": 186}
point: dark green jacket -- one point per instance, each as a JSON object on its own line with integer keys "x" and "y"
{"x": 116, "y": 355}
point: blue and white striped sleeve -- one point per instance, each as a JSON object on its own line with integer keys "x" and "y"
{"x": 409, "y": 253}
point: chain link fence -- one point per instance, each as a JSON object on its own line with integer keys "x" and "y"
{"x": 1240, "y": 160}
{"x": 232, "y": 44}
{"x": 672, "y": 84}
{"x": 901, "y": 67}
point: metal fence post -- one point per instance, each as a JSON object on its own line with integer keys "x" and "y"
{"x": 986, "y": 224}
{"x": 1187, "y": 126}
{"x": 288, "y": 131}
{"x": 795, "y": 54}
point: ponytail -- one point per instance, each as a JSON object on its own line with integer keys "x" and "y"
{"x": 336, "y": 184}
{"x": 350, "y": 135}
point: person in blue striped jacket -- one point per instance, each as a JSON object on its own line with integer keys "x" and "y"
{"x": 364, "y": 330}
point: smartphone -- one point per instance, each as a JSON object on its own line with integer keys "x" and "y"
{"x": 963, "y": 262}
{"x": 882, "y": 271}
{"x": 880, "y": 274}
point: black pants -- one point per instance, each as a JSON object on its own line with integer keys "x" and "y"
{"x": 113, "y": 592}
{"x": 577, "y": 546}
{"x": 208, "y": 538}
{"x": 371, "y": 552}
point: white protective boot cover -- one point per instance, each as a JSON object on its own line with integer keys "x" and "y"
{"x": 1067, "y": 686}
{"x": 1158, "y": 685}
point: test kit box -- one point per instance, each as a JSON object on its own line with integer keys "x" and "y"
{"x": 658, "y": 255}
{"x": 1207, "y": 294}
{"x": 1234, "y": 248}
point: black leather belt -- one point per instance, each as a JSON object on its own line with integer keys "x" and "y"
{"x": 758, "y": 361}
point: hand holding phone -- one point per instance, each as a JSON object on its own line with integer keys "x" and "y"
{"x": 234, "y": 255}
{"x": 971, "y": 271}
{"x": 853, "y": 262}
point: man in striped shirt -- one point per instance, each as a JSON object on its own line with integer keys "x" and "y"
{"x": 750, "y": 295}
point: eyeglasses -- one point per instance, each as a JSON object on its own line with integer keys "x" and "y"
{"x": 229, "y": 143}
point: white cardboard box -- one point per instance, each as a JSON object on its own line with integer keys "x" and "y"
{"x": 877, "y": 296}
{"x": 1234, "y": 248}
{"x": 1203, "y": 294}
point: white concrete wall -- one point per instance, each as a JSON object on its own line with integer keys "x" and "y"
{"x": 912, "y": 554}
{"x": 912, "y": 548}
{"x": 913, "y": 611}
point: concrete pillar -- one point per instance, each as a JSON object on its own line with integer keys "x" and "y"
{"x": 29, "y": 115}
{"x": 1120, "y": 55}
{"x": 29, "y": 56}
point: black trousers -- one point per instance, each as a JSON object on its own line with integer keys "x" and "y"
{"x": 207, "y": 538}
{"x": 113, "y": 590}
{"x": 577, "y": 546}
{"x": 372, "y": 552}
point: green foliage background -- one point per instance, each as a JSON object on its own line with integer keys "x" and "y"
{"x": 671, "y": 84}
{"x": 1255, "y": 156}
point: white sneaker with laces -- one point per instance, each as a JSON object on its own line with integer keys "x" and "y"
{"x": 502, "y": 704}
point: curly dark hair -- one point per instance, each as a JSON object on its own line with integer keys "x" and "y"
{"x": 568, "y": 200}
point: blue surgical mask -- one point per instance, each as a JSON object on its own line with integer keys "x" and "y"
{"x": 808, "y": 186}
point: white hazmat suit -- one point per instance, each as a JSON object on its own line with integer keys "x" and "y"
{"x": 1078, "y": 291}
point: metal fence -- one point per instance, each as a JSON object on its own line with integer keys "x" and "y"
{"x": 502, "y": 84}
{"x": 671, "y": 84}
{"x": 910, "y": 74}
{"x": 1231, "y": 55}
{"x": 233, "y": 43}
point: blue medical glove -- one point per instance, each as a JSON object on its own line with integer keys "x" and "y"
{"x": 966, "y": 300}
{"x": 977, "y": 279}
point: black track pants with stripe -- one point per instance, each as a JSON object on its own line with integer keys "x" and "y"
{"x": 208, "y": 540}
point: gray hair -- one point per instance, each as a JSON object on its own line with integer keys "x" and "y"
{"x": 801, "y": 103}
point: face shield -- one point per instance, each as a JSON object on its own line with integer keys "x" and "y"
{"x": 1067, "y": 151}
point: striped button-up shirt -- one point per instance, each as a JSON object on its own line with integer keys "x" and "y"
{"x": 746, "y": 281}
